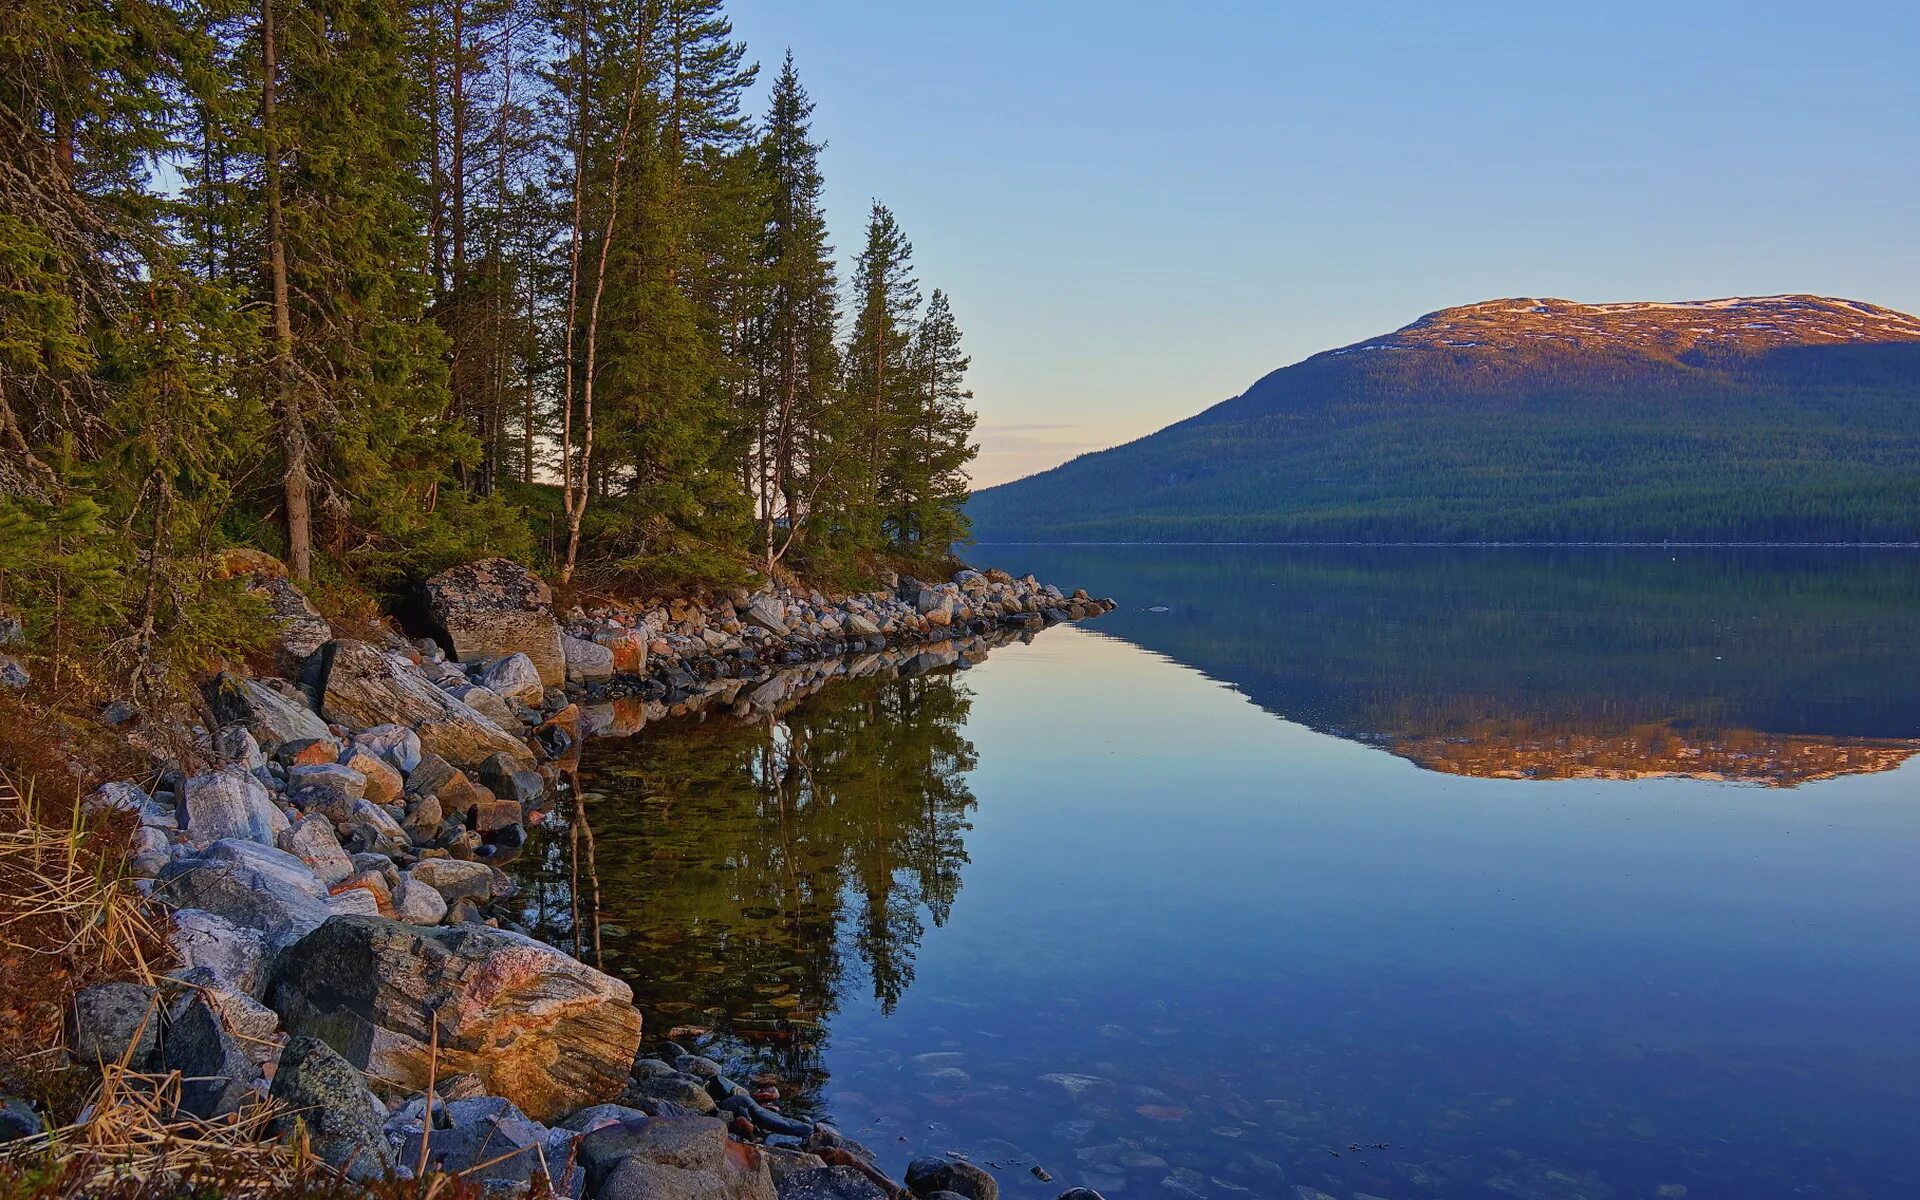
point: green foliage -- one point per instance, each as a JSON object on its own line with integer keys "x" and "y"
{"x": 433, "y": 183}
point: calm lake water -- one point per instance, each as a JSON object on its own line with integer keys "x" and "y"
{"x": 1398, "y": 873}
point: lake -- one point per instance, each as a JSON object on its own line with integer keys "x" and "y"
{"x": 1553, "y": 874}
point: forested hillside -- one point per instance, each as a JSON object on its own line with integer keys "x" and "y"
{"x": 1774, "y": 419}
{"x": 376, "y": 285}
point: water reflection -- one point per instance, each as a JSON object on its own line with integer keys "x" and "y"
{"x": 1769, "y": 666}
{"x": 763, "y": 863}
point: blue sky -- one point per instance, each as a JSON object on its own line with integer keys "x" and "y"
{"x": 1140, "y": 208}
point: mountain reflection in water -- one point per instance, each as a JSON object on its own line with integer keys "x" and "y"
{"x": 1199, "y": 944}
{"x": 1768, "y": 666}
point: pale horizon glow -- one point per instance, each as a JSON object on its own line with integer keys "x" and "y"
{"x": 1139, "y": 209}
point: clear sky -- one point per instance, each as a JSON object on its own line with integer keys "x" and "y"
{"x": 1140, "y": 208}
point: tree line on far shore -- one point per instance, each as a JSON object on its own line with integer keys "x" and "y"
{"x": 376, "y": 285}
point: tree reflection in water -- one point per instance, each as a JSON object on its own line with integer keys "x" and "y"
{"x": 743, "y": 875}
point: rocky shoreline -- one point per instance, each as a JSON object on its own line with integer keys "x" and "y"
{"x": 336, "y": 899}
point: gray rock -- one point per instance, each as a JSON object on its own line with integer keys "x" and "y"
{"x": 495, "y": 607}
{"x": 115, "y": 1022}
{"x": 537, "y": 1027}
{"x": 764, "y": 612}
{"x": 513, "y": 678}
{"x": 126, "y": 796}
{"x": 14, "y": 675}
{"x": 230, "y": 803}
{"x": 253, "y": 886}
{"x": 18, "y": 1120}
{"x": 685, "y": 1090}
{"x": 314, "y": 843}
{"x": 827, "y": 1183}
{"x": 586, "y": 661}
{"x": 328, "y": 775}
{"x": 417, "y": 903}
{"x": 491, "y": 1141}
{"x": 930, "y": 1174}
{"x": 299, "y": 629}
{"x": 271, "y": 714}
{"x": 234, "y": 954}
{"x": 332, "y": 1100}
{"x": 397, "y": 745}
{"x": 366, "y": 687}
{"x": 674, "y": 1158}
{"x": 486, "y": 702}
{"x": 218, "y": 1075}
{"x": 511, "y": 780}
{"x": 454, "y": 879}
{"x": 236, "y": 744}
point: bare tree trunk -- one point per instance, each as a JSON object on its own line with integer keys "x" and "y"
{"x": 295, "y": 485}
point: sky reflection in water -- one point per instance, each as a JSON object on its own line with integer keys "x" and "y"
{"x": 1250, "y": 950}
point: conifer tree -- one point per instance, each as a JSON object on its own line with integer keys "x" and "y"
{"x": 796, "y": 366}
{"x": 937, "y": 443}
{"x": 880, "y": 377}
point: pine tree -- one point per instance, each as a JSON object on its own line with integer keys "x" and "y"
{"x": 796, "y": 445}
{"x": 937, "y": 443}
{"x": 879, "y": 375}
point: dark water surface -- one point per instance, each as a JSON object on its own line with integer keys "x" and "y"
{"x": 1408, "y": 873}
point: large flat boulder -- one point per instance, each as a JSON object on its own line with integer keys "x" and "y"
{"x": 272, "y": 714}
{"x": 250, "y": 886}
{"x": 496, "y": 607}
{"x": 547, "y": 1032}
{"x": 365, "y": 687}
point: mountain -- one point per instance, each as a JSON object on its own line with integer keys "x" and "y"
{"x": 1775, "y": 418}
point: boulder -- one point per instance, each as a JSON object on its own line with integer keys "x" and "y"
{"x": 314, "y": 843}
{"x": 514, "y": 678}
{"x": 487, "y": 703}
{"x": 299, "y": 629}
{"x": 218, "y": 1075}
{"x": 253, "y": 886}
{"x": 235, "y": 954}
{"x": 860, "y": 626}
{"x": 396, "y": 745}
{"x": 586, "y": 661}
{"x": 14, "y": 676}
{"x": 494, "y": 1144}
{"x": 496, "y": 607}
{"x": 271, "y": 714}
{"x": 764, "y": 612}
{"x": 417, "y": 903}
{"x": 253, "y": 1025}
{"x": 383, "y": 784}
{"x": 828, "y": 1183}
{"x": 126, "y": 796}
{"x": 325, "y": 1094}
{"x": 674, "y": 1158}
{"x": 230, "y": 803}
{"x": 684, "y": 1090}
{"x": 629, "y": 649}
{"x": 366, "y": 687}
{"x": 328, "y": 774}
{"x": 511, "y": 780}
{"x": 114, "y": 1023}
{"x": 537, "y": 1027}
{"x": 17, "y": 1118}
{"x": 957, "y": 1175}
{"x": 454, "y": 879}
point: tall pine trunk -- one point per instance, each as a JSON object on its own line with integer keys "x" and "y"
{"x": 295, "y": 485}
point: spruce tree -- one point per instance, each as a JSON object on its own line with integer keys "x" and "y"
{"x": 798, "y": 450}
{"x": 937, "y": 443}
{"x": 879, "y": 377}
